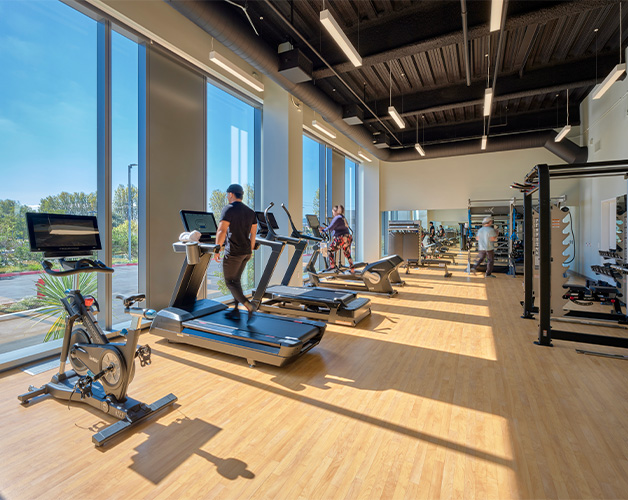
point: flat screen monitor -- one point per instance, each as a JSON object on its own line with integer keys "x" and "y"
{"x": 62, "y": 235}
{"x": 312, "y": 221}
{"x": 261, "y": 220}
{"x": 203, "y": 222}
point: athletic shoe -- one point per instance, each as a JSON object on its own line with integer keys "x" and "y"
{"x": 233, "y": 313}
{"x": 489, "y": 276}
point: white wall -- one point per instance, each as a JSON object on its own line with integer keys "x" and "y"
{"x": 449, "y": 183}
{"x": 369, "y": 218}
{"x": 605, "y": 131}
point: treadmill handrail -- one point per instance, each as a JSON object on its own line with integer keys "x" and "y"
{"x": 180, "y": 247}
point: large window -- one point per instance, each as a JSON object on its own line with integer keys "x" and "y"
{"x": 232, "y": 135}
{"x": 313, "y": 157}
{"x": 350, "y": 199}
{"x": 48, "y": 134}
{"x": 124, "y": 156}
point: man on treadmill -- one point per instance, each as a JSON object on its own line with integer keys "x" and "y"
{"x": 237, "y": 227}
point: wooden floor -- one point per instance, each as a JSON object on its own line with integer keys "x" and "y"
{"x": 440, "y": 394}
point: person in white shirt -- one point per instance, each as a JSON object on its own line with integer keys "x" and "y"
{"x": 486, "y": 246}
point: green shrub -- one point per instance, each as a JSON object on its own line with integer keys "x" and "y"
{"x": 21, "y": 305}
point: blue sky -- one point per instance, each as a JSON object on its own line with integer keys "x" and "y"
{"x": 311, "y": 158}
{"x": 48, "y": 113}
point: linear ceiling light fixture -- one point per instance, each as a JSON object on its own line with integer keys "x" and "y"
{"x": 317, "y": 125}
{"x": 396, "y": 117}
{"x": 392, "y": 111}
{"x": 363, "y": 156}
{"x": 340, "y": 38}
{"x": 484, "y": 136}
{"x": 488, "y": 92}
{"x": 417, "y": 146}
{"x": 615, "y": 73}
{"x": 565, "y": 130}
{"x": 239, "y": 73}
{"x": 612, "y": 77}
{"x": 496, "y": 14}
{"x": 488, "y": 101}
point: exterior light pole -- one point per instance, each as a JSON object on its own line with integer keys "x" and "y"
{"x": 130, "y": 206}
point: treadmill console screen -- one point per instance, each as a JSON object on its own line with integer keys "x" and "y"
{"x": 261, "y": 220}
{"x": 312, "y": 220}
{"x": 203, "y": 222}
{"x": 60, "y": 235}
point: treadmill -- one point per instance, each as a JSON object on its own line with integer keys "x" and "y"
{"x": 332, "y": 306}
{"x": 268, "y": 339}
{"x": 375, "y": 277}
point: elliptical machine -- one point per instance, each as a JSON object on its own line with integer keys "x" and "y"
{"x": 102, "y": 371}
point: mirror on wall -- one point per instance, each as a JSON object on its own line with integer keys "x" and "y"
{"x": 449, "y": 219}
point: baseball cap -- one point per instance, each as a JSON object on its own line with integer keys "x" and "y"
{"x": 487, "y": 220}
{"x": 236, "y": 189}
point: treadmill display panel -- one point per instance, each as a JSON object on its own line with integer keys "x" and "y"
{"x": 203, "y": 222}
{"x": 261, "y": 220}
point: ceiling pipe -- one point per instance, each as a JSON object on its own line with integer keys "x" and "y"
{"x": 498, "y": 59}
{"x": 567, "y": 150}
{"x": 229, "y": 30}
{"x": 465, "y": 36}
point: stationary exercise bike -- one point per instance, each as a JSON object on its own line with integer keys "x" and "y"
{"x": 102, "y": 371}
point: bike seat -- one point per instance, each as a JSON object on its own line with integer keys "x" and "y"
{"x": 129, "y": 300}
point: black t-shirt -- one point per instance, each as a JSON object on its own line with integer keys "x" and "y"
{"x": 240, "y": 219}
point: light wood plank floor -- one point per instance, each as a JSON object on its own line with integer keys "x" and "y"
{"x": 440, "y": 394}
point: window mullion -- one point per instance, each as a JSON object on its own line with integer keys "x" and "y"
{"x": 104, "y": 190}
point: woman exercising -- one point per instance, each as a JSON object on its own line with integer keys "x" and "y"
{"x": 340, "y": 236}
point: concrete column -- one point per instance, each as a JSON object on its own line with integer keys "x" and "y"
{"x": 172, "y": 168}
{"x": 282, "y": 167}
{"x": 338, "y": 179}
{"x": 369, "y": 216}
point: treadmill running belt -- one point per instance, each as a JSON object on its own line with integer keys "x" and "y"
{"x": 326, "y": 295}
{"x": 264, "y": 329}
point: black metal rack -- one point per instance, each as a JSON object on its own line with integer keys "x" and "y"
{"x": 539, "y": 179}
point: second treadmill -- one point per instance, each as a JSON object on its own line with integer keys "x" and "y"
{"x": 334, "y": 306}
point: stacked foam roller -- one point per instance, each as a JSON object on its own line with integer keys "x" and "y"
{"x": 559, "y": 246}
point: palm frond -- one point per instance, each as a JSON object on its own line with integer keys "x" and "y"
{"x": 51, "y": 290}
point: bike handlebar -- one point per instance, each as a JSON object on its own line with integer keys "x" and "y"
{"x": 76, "y": 266}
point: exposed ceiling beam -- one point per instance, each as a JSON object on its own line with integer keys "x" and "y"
{"x": 569, "y": 75}
{"x": 502, "y": 124}
{"x": 451, "y": 38}
{"x": 525, "y": 49}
